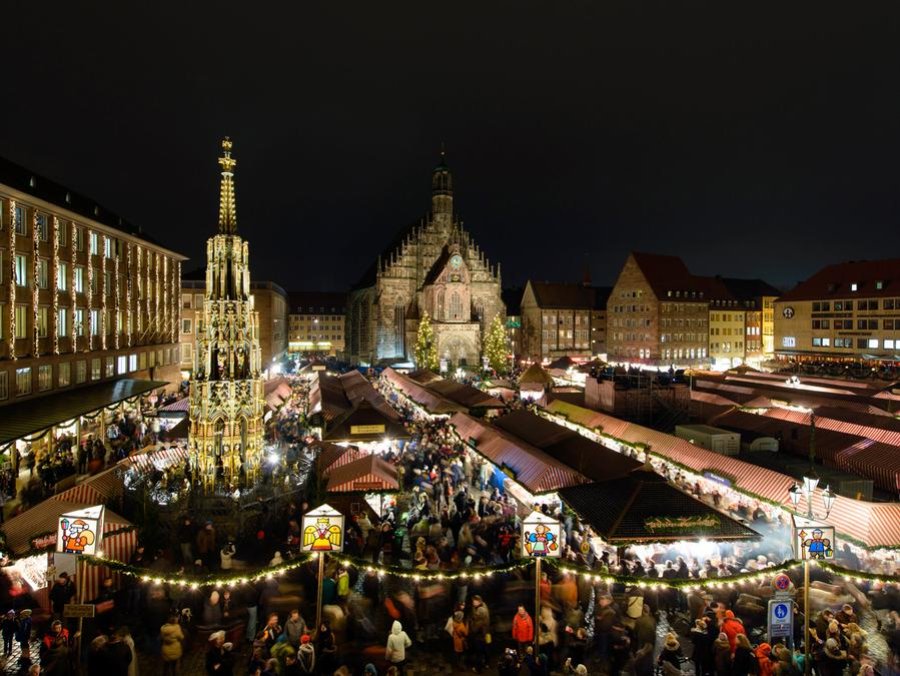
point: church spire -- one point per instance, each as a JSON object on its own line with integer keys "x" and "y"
{"x": 227, "y": 209}
{"x": 442, "y": 187}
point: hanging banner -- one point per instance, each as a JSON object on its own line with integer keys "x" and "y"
{"x": 540, "y": 536}
{"x": 813, "y": 539}
{"x": 323, "y": 530}
{"x": 81, "y": 531}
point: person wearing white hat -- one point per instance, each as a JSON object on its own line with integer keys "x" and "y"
{"x": 219, "y": 661}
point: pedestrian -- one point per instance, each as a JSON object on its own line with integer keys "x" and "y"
{"x": 722, "y": 655}
{"x": 117, "y": 655}
{"x": 522, "y": 629}
{"x": 670, "y": 657}
{"x": 206, "y": 545}
{"x": 23, "y": 636}
{"x": 479, "y": 631}
{"x": 172, "y": 637}
{"x": 326, "y": 647}
{"x": 306, "y": 656}
{"x": 732, "y": 627}
{"x": 397, "y": 643}
{"x": 219, "y": 660}
{"x": 269, "y": 634}
{"x": 460, "y": 633}
{"x": 294, "y": 628}
{"x": 744, "y": 662}
{"x": 701, "y": 648}
{"x": 9, "y": 628}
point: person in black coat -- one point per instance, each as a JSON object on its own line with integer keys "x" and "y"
{"x": 701, "y": 651}
{"x": 744, "y": 661}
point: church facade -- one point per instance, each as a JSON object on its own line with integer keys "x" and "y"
{"x": 433, "y": 267}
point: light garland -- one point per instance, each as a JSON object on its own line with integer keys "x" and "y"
{"x": 139, "y": 296}
{"x": 479, "y": 574}
{"x": 89, "y": 293}
{"x": 73, "y": 295}
{"x": 54, "y": 287}
{"x": 166, "y": 311}
{"x": 117, "y": 328}
{"x": 35, "y": 287}
{"x": 129, "y": 253}
{"x": 156, "y": 297}
{"x": 104, "y": 290}
{"x": 11, "y": 339}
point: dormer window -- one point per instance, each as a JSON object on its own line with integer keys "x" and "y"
{"x": 879, "y": 284}
{"x": 854, "y": 286}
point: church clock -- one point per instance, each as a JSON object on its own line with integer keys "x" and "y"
{"x": 456, "y": 262}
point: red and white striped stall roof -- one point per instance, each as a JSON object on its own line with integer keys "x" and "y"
{"x": 873, "y": 524}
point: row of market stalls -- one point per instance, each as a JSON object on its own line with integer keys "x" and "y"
{"x": 347, "y": 409}
{"x": 432, "y": 396}
{"x": 620, "y": 498}
{"x": 34, "y": 427}
{"x": 31, "y": 537}
{"x": 871, "y": 525}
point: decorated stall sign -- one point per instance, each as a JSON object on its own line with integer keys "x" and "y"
{"x": 813, "y": 539}
{"x": 678, "y": 524}
{"x": 366, "y": 429}
{"x": 540, "y": 536}
{"x": 81, "y": 531}
{"x": 323, "y": 530}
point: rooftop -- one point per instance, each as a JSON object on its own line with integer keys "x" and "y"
{"x": 853, "y": 279}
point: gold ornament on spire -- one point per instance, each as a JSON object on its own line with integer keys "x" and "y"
{"x": 227, "y": 208}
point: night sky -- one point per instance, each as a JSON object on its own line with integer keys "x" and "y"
{"x": 764, "y": 143}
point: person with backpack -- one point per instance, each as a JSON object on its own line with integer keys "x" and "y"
{"x": 306, "y": 656}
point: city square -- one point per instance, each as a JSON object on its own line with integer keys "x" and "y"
{"x": 340, "y": 430}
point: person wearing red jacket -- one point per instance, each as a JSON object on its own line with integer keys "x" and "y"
{"x": 522, "y": 629}
{"x": 731, "y": 627}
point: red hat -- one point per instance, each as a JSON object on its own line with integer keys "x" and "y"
{"x": 304, "y": 638}
{"x": 729, "y": 615}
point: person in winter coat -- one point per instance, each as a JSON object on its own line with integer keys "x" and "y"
{"x": 172, "y": 638}
{"x": 9, "y": 627}
{"x": 671, "y": 653}
{"x": 212, "y": 610}
{"x": 765, "y": 665}
{"x": 306, "y": 656}
{"x": 522, "y": 629}
{"x": 833, "y": 659}
{"x": 459, "y": 632}
{"x": 743, "y": 662}
{"x": 701, "y": 651}
{"x": 732, "y": 626}
{"x": 219, "y": 660}
{"x": 397, "y": 643}
{"x": 23, "y": 635}
{"x": 479, "y": 629}
{"x": 721, "y": 652}
{"x": 294, "y": 628}
{"x": 326, "y": 648}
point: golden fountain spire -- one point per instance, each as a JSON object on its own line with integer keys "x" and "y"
{"x": 227, "y": 208}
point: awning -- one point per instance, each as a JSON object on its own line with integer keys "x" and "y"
{"x": 176, "y": 409}
{"x": 369, "y": 473}
{"x": 20, "y": 420}
{"x": 644, "y": 507}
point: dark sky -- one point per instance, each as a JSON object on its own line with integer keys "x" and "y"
{"x": 763, "y": 142}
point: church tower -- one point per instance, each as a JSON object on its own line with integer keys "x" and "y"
{"x": 442, "y": 192}
{"x": 227, "y": 398}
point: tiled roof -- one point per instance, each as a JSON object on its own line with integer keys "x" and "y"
{"x": 666, "y": 273}
{"x": 749, "y": 289}
{"x": 834, "y": 281}
{"x": 368, "y": 473}
{"x": 643, "y": 506}
{"x": 562, "y": 295}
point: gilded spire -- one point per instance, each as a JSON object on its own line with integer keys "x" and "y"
{"x": 227, "y": 209}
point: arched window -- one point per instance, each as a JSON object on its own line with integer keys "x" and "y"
{"x": 439, "y": 305}
{"x": 218, "y": 436}
{"x": 455, "y": 306}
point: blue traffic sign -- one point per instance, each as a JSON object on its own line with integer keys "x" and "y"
{"x": 781, "y": 611}
{"x": 781, "y": 619}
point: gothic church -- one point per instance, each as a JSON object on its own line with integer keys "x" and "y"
{"x": 433, "y": 267}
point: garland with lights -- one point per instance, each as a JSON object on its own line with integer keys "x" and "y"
{"x": 476, "y": 574}
{"x": 13, "y": 281}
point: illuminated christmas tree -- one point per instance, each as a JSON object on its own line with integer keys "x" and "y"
{"x": 426, "y": 347}
{"x": 495, "y": 347}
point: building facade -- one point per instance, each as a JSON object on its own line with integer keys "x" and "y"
{"x": 269, "y": 302}
{"x": 845, "y": 312}
{"x": 316, "y": 323}
{"x": 661, "y": 314}
{"x": 434, "y": 267}
{"x": 227, "y": 400}
{"x": 560, "y": 319}
{"x": 84, "y": 297}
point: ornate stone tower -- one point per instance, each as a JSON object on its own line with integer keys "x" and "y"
{"x": 227, "y": 398}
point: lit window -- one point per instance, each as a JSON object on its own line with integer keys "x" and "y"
{"x": 854, "y": 286}
{"x": 95, "y": 244}
{"x": 107, "y": 247}
{"x": 64, "y": 374}
{"x": 122, "y": 364}
{"x": 110, "y": 366}
{"x": 23, "y": 381}
{"x": 43, "y": 273}
{"x": 62, "y": 276}
{"x": 95, "y": 368}
{"x": 21, "y": 321}
{"x": 826, "y": 342}
{"x": 79, "y": 279}
{"x": 889, "y": 344}
{"x": 873, "y": 343}
{"x": 43, "y": 323}
{"x": 80, "y": 371}
{"x": 19, "y": 220}
{"x": 45, "y": 377}
{"x": 21, "y": 270}
{"x": 132, "y": 362}
{"x": 41, "y": 227}
{"x": 186, "y": 326}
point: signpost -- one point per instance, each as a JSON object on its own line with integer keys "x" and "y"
{"x": 540, "y": 538}
{"x": 781, "y": 619}
{"x": 813, "y": 540}
{"x": 323, "y": 531}
{"x": 80, "y": 532}
{"x": 79, "y": 610}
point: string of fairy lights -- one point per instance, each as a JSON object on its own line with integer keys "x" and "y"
{"x": 475, "y": 574}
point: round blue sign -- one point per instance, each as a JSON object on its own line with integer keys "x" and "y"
{"x": 781, "y": 611}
